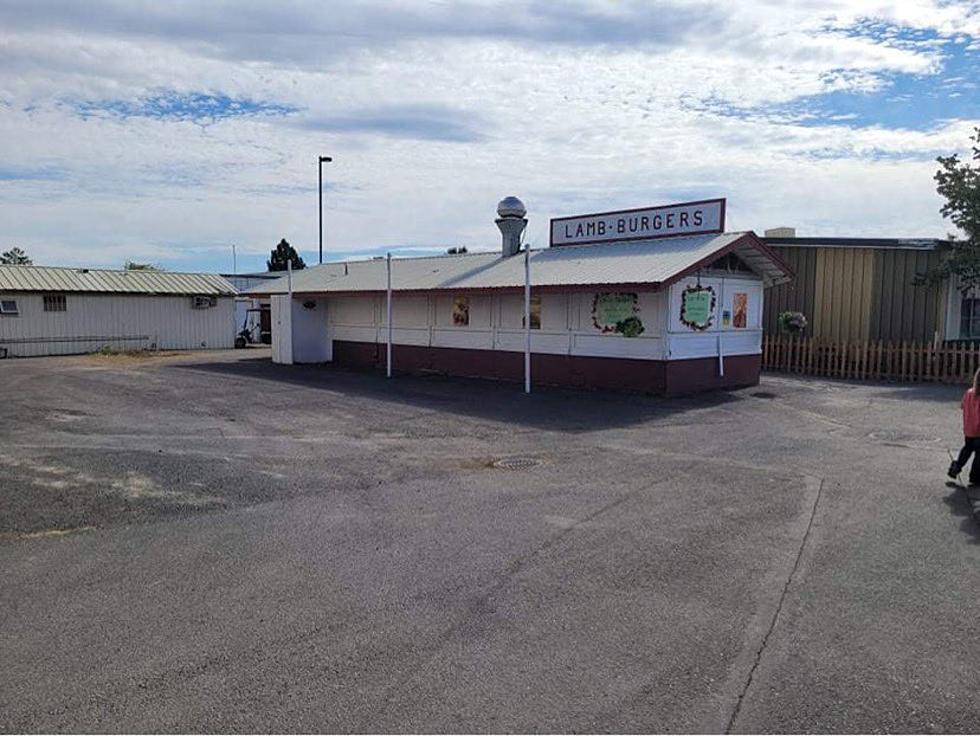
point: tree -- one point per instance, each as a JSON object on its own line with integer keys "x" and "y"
{"x": 283, "y": 254}
{"x": 959, "y": 184}
{"x": 134, "y": 266}
{"x": 15, "y": 257}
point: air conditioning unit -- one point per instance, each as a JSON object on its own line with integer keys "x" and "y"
{"x": 204, "y": 302}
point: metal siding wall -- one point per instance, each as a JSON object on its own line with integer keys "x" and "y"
{"x": 856, "y": 294}
{"x": 168, "y": 321}
{"x": 844, "y": 281}
{"x": 865, "y": 260}
{"x": 798, "y": 294}
{"x": 903, "y": 310}
{"x": 822, "y": 282}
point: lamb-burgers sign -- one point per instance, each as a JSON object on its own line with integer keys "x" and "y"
{"x": 687, "y": 218}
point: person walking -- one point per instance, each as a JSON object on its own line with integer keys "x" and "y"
{"x": 971, "y": 433}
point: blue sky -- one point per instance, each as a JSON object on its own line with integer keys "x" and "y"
{"x": 167, "y": 132}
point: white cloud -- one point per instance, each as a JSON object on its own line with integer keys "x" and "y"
{"x": 433, "y": 112}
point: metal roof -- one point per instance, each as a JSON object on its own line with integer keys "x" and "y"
{"x": 656, "y": 262}
{"x": 889, "y": 243}
{"x": 45, "y": 278}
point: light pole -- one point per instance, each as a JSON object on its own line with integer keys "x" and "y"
{"x": 322, "y": 160}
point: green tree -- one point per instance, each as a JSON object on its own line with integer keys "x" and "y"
{"x": 283, "y": 254}
{"x": 134, "y": 266}
{"x": 15, "y": 257}
{"x": 959, "y": 184}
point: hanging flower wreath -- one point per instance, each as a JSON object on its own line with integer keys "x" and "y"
{"x": 698, "y": 320}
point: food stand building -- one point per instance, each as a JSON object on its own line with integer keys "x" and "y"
{"x": 660, "y": 300}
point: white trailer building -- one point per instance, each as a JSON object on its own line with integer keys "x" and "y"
{"x": 62, "y": 311}
{"x": 661, "y": 300}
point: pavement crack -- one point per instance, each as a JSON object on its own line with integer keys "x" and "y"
{"x": 776, "y": 614}
{"x": 481, "y": 604}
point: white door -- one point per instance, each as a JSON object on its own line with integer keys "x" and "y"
{"x": 282, "y": 329}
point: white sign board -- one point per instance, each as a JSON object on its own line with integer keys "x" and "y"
{"x": 687, "y": 218}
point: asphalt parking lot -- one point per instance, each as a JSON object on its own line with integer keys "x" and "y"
{"x": 210, "y": 542}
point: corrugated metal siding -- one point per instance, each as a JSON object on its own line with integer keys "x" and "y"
{"x": 859, "y": 293}
{"x": 901, "y": 310}
{"x": 796, "y": 295}
{"x": 92, "y": 321}
{"x": 843, "y": 283}
{"x": 43, "y": 278}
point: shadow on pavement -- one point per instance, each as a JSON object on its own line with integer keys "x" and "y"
{"x": 939, "y": 393}
{"x": 959, "y": 505}
{"x": 547, "y": 408}
{"x": 936, "y": 393}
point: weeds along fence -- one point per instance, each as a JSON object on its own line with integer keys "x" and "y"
{"x": 871, "y": 360}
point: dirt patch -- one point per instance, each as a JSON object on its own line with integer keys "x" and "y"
{"x": 137, "y": 486}
{"x": 44, "y": 533}
{"x": 44, "y": 496}
{"x": 128, "y": 359}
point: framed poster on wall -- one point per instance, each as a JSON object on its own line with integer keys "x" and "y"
{"x": 740, "y": 310}
{"x": 535, "y": 313}
{"x": 461, "y": 311}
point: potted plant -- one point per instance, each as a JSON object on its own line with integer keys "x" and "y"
{"x": 792, "y": 323}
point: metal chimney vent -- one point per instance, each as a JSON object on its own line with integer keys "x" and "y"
{"x": 511, "y": 221}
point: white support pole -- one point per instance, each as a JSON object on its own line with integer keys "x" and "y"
{"x": 721, "y": 359}
{"x": 289, "y": 279}
{"x": 389, "y": 317}
{"x": 527, "y": 319}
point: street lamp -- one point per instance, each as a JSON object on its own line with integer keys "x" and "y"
{"x": 322, "y": 159}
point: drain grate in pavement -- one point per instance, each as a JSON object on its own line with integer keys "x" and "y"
{"x": 515, "y": 463}
{"x": 763, "y": 394}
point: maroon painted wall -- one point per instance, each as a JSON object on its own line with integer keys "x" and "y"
{"x": 695, "y": 375}
{"x": 669, "y": 378}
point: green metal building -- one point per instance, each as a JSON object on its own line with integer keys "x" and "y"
{"x": 864, "y": 289}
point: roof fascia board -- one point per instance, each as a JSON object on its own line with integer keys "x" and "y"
{"x": 870, "y": 243}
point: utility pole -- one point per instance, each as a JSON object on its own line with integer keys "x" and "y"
{"x": 320, "y": 162}
{"x": 388, "y": 319}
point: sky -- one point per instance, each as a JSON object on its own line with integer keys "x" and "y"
{"x": 167, "y": 132}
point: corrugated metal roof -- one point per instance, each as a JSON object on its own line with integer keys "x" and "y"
{"x": 648, "y": 261}
{"x": 44, "y": 278}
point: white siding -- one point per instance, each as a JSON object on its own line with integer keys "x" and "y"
{"x": 496, "y": 323}
{"x": 566, "y": 323}
{"x": 92, "y": 321}
{"x": 683, "y": 342}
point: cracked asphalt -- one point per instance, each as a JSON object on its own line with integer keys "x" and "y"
{"x": 208, "y": 542}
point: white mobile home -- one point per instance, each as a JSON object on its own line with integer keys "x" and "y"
{"x": 62, "y": 311}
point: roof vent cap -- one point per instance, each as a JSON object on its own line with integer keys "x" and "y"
{"x": 511, "y": 223}
{"x": 511, "y": 207}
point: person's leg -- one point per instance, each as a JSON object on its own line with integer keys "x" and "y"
{"x": 975, "y": 465}
{"x": 956, "y": 467}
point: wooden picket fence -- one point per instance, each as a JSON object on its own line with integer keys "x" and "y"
{"x": 871, "y": 360}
